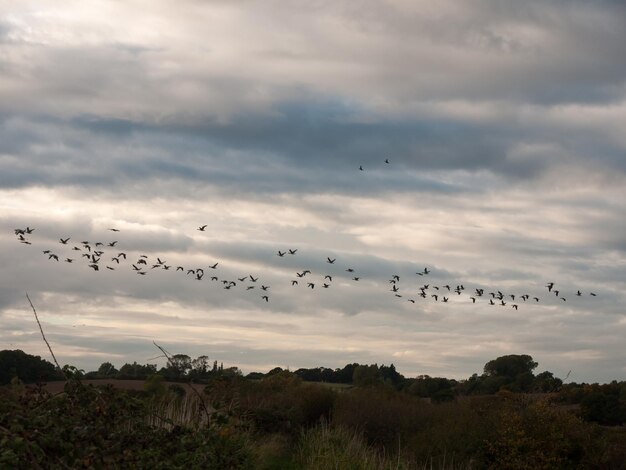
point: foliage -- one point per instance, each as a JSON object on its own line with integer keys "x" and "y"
{"x": 386, "y": 421}
{"x": 38, "y": 430}
{"x": 136, "y": 371}
{"x": 605, "y": 404}
{"x": 366, "y": 376}
{"x": 26, "y": 367}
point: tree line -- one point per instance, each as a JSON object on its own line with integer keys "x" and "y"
{"x": 602, "y": 403}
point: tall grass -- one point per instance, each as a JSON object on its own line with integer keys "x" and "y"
{"x": 324, "y": 447}
{"x": 170, "y": 410}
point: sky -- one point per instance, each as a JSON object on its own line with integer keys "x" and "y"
{"x": 502, "y": 124}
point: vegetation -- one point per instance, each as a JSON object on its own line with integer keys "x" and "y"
{"x": 282, "y": 420}
{"x": 25, "y": 367}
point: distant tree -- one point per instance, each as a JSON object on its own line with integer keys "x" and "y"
{"x": 547, "y": 382}
{"x": 431, "y": 387}
{"x": 346, "y": 375}
{"x": 26, "y": 367}
{"x": 136, "y": 371}
{"x": 255, "y": 375}
{"x": 390, "y": 375}
{"x": 107, "y": 369}
{"x": 366, "y": 376}
{"x": 274, "y": 371}
{"x": 199, "y": 368}
{"x": 510, "y": 366}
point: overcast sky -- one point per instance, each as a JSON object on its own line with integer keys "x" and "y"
{"x": 502, "y": 123}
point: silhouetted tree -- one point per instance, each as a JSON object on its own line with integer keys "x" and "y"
{"x": 510, "y": 366}
{"x": 26, "y": 367}
{"x": 365, "y": 376}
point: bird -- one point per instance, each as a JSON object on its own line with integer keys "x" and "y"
{"x": 253, "y": 279}
{"x": 266, "y": 298}
{"x": 53, "y": 256}
{"x": 114, "y": 230}
{"x": 281, "y": 253}
{"x": 330, "y": 261}
{"x": 214, "y": 266}
{"x": 361, "y": 167}
{"x": 293, "y": 252}
{"x": 202, "y": 228}
{"x": 112, "y": 244}
{"x": 387, "y": 160}
{"x": 64, "y": 241}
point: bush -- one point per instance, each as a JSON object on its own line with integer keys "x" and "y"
{"x": 103, "y": 427}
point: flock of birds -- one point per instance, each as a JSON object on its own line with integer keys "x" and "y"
{"x": 107, "y": 256}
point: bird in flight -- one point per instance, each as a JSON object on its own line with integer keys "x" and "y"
{"x": 64, "y": 241}
{"x": 202, "y": 228}
{"x": 330, "y": 261}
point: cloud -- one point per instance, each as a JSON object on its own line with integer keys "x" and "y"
{"x": 501, "y": 123}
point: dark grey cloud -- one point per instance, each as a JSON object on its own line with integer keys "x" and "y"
{"x": 289, "y": 153}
